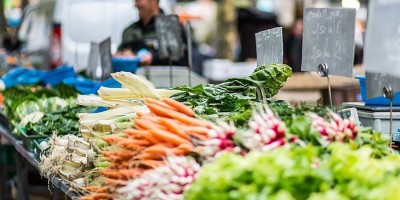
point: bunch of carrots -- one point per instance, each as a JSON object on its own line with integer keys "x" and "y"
{"x": 170, "y": 128}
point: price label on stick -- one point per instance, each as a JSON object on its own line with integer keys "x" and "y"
{"x": 328, "y": 37}
{"x": 169, "y": 35}
{"x": 106, "y": 58}
{"x": 382, "y": 47}
{"x": 269, "y": 47}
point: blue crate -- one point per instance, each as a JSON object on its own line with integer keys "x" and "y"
{"x": 111, "y": 83}
{"x": 377, "y": 101}
{"x": 57, "y": 75}
{"x": 126, "y": 64}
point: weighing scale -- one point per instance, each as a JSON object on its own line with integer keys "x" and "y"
{"x": 377, "y": 117}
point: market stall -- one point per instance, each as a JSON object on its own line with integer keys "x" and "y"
{"x": 133, "y": 138}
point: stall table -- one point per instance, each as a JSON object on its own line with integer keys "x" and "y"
{"x": 22, "y": 157}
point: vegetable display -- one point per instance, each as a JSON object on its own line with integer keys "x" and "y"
{"x": 226, "y": 141}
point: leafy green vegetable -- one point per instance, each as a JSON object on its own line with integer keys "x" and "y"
{"x": 308, "y": 172}
{"x": 21, "y": 101}
{"x": 231, "y": 100}
{"x": 62, "y": 121}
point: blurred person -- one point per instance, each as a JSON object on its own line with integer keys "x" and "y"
{"x": 293, "y": 46}
{"x": 143, "y": 35}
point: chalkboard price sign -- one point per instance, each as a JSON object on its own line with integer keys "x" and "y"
{"x": 328, "y": 37}
{"x": 382, "y": 46}
{"x": 269, "y": 47}
{"x": 169, "y": 35}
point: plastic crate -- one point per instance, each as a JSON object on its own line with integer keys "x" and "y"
{"x": 125, "y": 64}
{"x": 379, "y": 121}
{"x": 379, "y": 101}
{"x": 29, "y": 140}
{"x": 57, "y": 75}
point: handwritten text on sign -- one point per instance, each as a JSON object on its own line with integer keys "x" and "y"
{"x": 328, "y": 37}
{"x": 382, "y": 45}
{"x": 269, "y": 47}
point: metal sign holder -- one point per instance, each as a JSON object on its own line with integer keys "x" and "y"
{"x": 388, "y": 93}
{"x": 323, "y": 71}
{"x": 190, "y": 52}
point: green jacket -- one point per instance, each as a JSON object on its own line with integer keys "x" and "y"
{"x": 137, "y": 36}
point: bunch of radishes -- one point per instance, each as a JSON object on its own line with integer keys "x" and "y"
{"x": 164, "y": 183}
{"x": 221, "y": 140}
{"x": 335, "y": 129}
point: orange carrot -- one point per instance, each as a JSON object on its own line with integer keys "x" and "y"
{"x": 123, "y": 154}
{"x": 179, "y": 106}
{"x": 198, "y": 136}
{"x": 133, "y": 145}
{"x": 109, "y": 181}
{"x": 153, "y": 163}
{"x": 135, "y": 133}
{"x": 101, "y": 196}
{"x": 159, "y": 103}
{"x": 149, "y": 156}
{"x": 147, "y": 124}
{"x": 96, "y": 189}
{"x": 197, "y": 129}
{"x": 159, "y": 112}
{"x": 173, "y": 127}
{"x": 178, "y": 116}
{"x": 112, "y": 139}
{"x": 111, "y": 173}
{"x": 130, "y": 173}
{"x": 168, "y": 137}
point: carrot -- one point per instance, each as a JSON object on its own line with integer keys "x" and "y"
{"x": 198, "y": 136}
{"x": 96, "y": 189}
{"x": 154, "y": 119}
{"x": 101, "y": 196}
{"x": 158, "y": 149}
{"x": 123, "y": 154}
{"x": 159, "y": 112}
{"x": 130, "y": 173}
{"x": 149, "y": 156}
{"x": 86, "y": 198}
{"x": 111, "y": 173}
{"x": 153, "y": 163}
{"x": 186, "y": 147}
{"x": 168, "y": 137}
{"x": 157, "y": 102}
{"x": 133, "y": 145}
{"x": 197, "y": 129}
{"x": 135, "y": 133}
{"x": 109, "y": 181}
{"x": 179, "y": 116}
{"x": 174, "y": 127}
{"x": 179, "y": 106}
{"x": 147, "y": 124}
{"x": 112, "y": 139}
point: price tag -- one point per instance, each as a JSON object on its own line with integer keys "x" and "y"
{"x": 328, "y": 37}
{"x": 106, "y": 57}
{"x": 169, "y": 35}
{"x": 382, "y": 47}
{"x": 269, "y": 47}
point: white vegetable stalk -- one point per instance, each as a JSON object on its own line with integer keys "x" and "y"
{"x": 126, "y": 94}
{"x": 91, "y": 100}
{"x": 137, "y": 85}
{"x": 85, "y": 118}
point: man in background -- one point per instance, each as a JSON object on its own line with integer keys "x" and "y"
{"x": 143, "y": 35}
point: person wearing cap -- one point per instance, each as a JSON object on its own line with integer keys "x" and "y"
{"x": 142, "y": 35}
